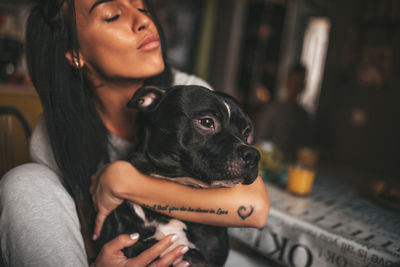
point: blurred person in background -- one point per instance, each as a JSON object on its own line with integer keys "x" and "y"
{"x": 286, "y": 123}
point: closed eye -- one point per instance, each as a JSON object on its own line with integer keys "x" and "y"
{"x": 143, "y": 10}
{"x": 112, "y": 18}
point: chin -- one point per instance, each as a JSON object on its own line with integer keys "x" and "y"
{"x": 153, "y": 72}
{"x": 135, "y": 72}
{"x": 148, "y": 69}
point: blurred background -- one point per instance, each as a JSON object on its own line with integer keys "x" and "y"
{"x": 320, "y": 80}
{"x": 349, "y": 48}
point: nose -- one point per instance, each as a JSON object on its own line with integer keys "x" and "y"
{"x": 249, "y": 155}
{"x": 141, "y": 20}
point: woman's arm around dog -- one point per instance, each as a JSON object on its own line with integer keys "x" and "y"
{"x": 240, "y": 206}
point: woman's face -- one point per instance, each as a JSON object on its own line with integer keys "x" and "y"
{"x": 118, "y": 39}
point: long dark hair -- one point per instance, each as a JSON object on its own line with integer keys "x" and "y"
{"x": 77, "y": 135}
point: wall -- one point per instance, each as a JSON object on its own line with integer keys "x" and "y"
{"x": 358, "y": 124}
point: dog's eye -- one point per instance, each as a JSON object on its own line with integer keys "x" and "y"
{"x": 247, "y": 135}
{"x": 207, "y": 123}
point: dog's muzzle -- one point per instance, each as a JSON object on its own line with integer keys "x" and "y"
{"x": 250, "y": 158}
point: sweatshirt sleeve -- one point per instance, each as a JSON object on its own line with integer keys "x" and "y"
{"x": 39, "y": 225}
{"x": 39, "y": 146}
{"x": 182, "y": 78}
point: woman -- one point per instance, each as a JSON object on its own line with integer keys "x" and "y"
{"x": 86, "y": 59}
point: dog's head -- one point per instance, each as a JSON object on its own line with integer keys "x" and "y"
{"x": 191, "y": 131}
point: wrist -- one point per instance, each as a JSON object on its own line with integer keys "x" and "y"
{"x": 118, "y": 172}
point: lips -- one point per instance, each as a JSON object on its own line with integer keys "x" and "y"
{"x": 150, "y": 42}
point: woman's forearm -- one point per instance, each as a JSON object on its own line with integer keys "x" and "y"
{"x": 240, "y": 206}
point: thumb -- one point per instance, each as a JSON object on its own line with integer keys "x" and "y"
{"x": 100, "y": 218}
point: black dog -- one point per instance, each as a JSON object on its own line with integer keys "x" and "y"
{"x": 194, "y": 136}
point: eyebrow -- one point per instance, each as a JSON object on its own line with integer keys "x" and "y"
{"x": 98, "y": 2}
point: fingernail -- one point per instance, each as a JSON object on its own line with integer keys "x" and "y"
{"x": 174, "y": 238}
{"x": 184, "y": 249}
{"x": 134, "y": 236}
{"x": 94, "y": 237}
{"x": 185, "y": 264}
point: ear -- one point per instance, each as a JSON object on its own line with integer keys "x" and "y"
{"x": 147, "y": 98}
{"x": 74, "y": 59}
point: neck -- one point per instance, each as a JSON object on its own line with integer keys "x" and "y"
{"x": 110, "y": 101}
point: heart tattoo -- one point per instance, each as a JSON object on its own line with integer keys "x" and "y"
{"x": 244, "y": 212}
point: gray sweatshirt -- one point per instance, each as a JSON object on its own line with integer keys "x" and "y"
{"x": 39, "y": 225}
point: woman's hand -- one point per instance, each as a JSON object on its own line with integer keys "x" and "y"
{"x": 112, "y": 255}
{"x": 104, "y": 199}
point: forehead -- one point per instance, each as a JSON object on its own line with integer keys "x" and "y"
{"x": 202, "y": 102}
{"x": 87, "y": 5}
{"x": 195, "y": 103}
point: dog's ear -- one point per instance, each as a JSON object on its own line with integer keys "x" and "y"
{"x": 147, "y": 98}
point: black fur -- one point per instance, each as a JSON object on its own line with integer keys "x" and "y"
{"x": 178, "y": 142}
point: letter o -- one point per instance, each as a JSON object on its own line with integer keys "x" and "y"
{"x": 309, "y": 255}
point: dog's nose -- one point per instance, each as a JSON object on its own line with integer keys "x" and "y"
{"x": 249, "y": 155}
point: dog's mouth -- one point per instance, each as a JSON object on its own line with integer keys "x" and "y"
{"x": 227, "y": 183}
{"x": 200, "y": 184}
{"x": 237, "y": 167}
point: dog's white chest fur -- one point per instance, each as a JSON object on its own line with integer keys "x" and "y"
{"x": 174, "y": 226}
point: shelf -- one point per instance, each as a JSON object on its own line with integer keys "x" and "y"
{"x": 17, "y": 89}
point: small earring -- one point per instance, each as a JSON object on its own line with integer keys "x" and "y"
{"x": 77, "y": 63}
